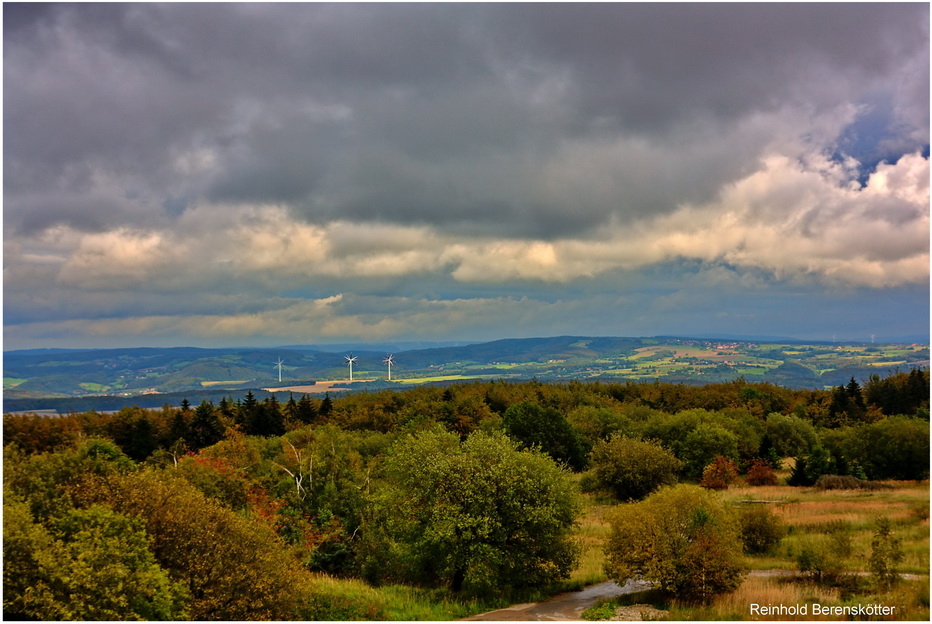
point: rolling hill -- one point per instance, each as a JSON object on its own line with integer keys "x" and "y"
{"x": 37, "y": 377}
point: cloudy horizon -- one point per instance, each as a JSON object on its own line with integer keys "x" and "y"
{"x": 263, "y": 174}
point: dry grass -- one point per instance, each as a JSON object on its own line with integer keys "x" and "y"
{"x": 911, "y": 600}
{"x": 810, "y": 512}
{"x": 591, "y": 535}
{"x": 765, "y": 591}
{"x": 856, "y": 511}
{"x": 806, "y": 506}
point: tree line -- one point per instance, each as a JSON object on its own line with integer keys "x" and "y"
{"x": 472, "y": 488}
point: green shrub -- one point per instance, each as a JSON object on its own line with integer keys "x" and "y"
{"x": 761, "y": 529}
{"x": 791, "y": 436}
{"x": 816, "y": 560}
{"x": 92, "y": 564}
{"x": 598, "y": 423}
{"x": 602, "y": 611}
{"x": 894, "y": 448}
{"x": 632, "y": 469}
{"x": 703, "y": 444}
{"x": 683, "y": 539}
{"x": 886, "y": 553}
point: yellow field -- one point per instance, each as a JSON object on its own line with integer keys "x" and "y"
{"x": 318, "y": 387}
{"x": 420, "y": 380}
{"x": 208, "y": 384}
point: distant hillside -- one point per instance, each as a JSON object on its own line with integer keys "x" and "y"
{"x": 127, "y": 375}
{"x": 522, "y": 350}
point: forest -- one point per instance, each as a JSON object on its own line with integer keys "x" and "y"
{"x": 464, "y": 498}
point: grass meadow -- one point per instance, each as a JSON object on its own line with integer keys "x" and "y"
{"x": 843, "y": 521}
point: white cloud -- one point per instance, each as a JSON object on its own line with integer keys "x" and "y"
{"x": 791, "y": 218}
{"x": 116, "y": 259}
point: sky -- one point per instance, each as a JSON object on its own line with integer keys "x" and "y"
{"x": 258, "y": 174}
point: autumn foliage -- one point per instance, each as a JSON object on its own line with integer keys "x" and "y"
{"x": 719, "y": 474}
{"x": 761, "y": 473}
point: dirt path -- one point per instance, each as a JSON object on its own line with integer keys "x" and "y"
{"x": 565, "y": 607}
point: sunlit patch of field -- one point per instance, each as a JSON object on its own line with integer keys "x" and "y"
{"x": 770, "y": 591}
{"x": 318, "y": 387}
{"x": 93, "y": 387}
{"x": 678, "y": 351}
{"x": 855, "y": 511}
{"x": 208, "y": 384}
{"x": 750, "y": 372}
{"x": 810, "y": 513}
{"x": 420, "y": 380}
{"x": 909, "y": 601}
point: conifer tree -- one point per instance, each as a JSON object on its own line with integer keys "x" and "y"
{"x": 206, "y": 428}
{"x": 307, "y": 410}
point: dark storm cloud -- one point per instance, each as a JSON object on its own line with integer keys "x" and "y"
{"x": 448, "y": 111}
{"x": 650, "y": 65}
{"x": 483, "y": 166}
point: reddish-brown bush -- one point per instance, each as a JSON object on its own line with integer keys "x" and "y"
{"x": 719, "y": 474}
{"x": 761, "y": 473}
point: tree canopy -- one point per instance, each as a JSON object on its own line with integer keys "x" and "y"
{"x": 632, "y": 469}
{"x": 477, "y": 514}
{"x": 681, "y": 538}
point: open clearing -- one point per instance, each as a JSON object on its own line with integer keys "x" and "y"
{"x": 420, "y": 380}
{"x": 318, "y": 387}
{"x": 208, "y": 384}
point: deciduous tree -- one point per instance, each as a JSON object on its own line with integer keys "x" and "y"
{"x": 233, "y": 569}
{"x": 719, "y": 474}
{"x": 93, "y": 564}
{"x": 683, "y": 539}
{"x": 545, "y": 427}
{"x": 632, "y": 469}
{"x": 479, "y": 515}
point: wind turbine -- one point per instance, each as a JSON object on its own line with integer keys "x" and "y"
{"x": 350, "y": 359}
{"x": 389, "y": 360}
{"x": 279, "y": 363}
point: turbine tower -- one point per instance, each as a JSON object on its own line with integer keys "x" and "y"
{"x": 350, "y": 359}
{"x": 389, "y": 360}
{"x": 279, "y": 363}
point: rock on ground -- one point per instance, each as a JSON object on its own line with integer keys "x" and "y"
{"x": 638, "y": 613}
